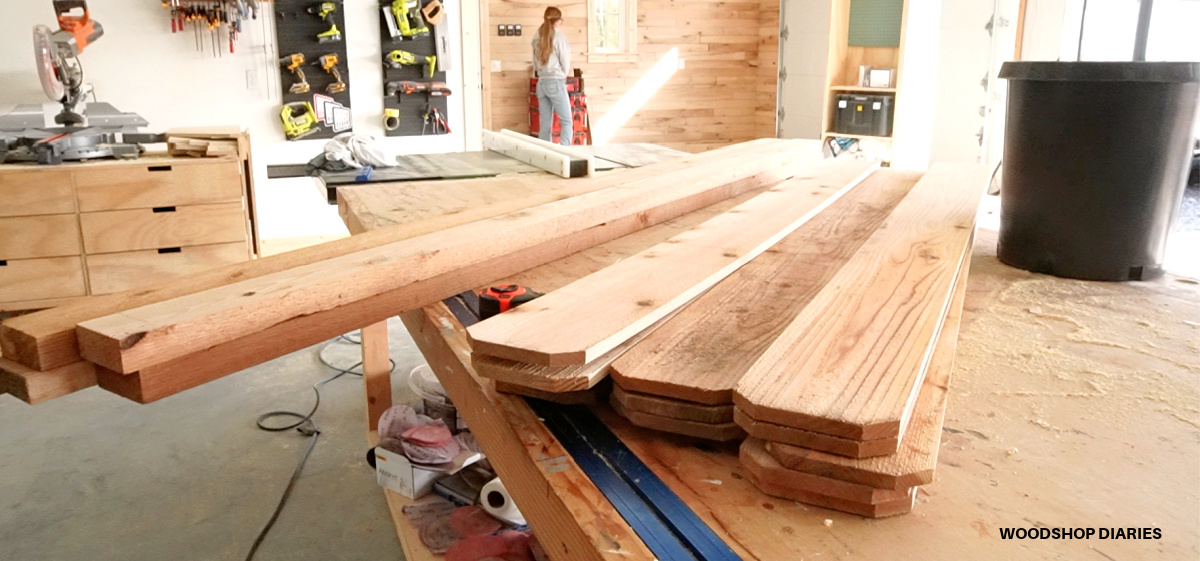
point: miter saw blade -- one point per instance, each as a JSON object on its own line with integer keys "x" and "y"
{"x": 48, "y": 63}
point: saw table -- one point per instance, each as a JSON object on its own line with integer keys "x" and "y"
{"x": 1056, "y": 385}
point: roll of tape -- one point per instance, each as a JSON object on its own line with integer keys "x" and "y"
{"x": 495, "y": 500}
{"x": 391, "y": 119}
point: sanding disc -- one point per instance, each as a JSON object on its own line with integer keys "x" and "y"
{"x": 438, "y": 536}
{"x": 473, "y": 521}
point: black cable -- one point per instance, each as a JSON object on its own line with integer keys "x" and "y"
{"x": 305, "y": 426}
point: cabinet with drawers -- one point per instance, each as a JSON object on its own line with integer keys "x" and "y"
{"x": 93, "y": 228}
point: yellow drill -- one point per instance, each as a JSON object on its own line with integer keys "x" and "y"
{"x": 408, "y": 27}
{"x": 329, "y": 64}
{"x": 294, "y": 62}
{"x": 325, "y": 11}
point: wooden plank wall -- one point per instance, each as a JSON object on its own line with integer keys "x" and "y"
{"x": 724, "y": 94}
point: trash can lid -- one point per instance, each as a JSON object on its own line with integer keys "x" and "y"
{"x": 1050, "y": 71}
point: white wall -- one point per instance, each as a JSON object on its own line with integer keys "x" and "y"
{"x": 140, "y": 66}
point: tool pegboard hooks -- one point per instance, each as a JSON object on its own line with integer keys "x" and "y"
{"x": 416, "y": 55}
{"x": 315, "y": 80}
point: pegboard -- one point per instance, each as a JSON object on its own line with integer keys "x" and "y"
{"x": 413, "y": 106}
{"x": 296, "y": 31}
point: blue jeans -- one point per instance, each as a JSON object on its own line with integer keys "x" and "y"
{"x": 552, "y": 95}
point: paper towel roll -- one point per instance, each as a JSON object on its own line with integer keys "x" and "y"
{"x": 495, "y": 500}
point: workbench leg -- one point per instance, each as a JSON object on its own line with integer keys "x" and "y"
{"x": 377, "y": 373}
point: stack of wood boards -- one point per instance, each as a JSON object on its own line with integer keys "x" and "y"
{"x": 565, "y": 340}
{"x": 208, "y": 142}
{"x": 156, "y": 341}
{"x": 832, "y": 349}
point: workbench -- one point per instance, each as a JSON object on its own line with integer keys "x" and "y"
{"x": 1073, "y": 404}
{"x": 467, "y": 165}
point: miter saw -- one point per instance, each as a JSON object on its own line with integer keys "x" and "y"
{"x": 100, "y": 132}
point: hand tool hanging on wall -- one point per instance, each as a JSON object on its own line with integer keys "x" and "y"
{"x": 329, "y": 64}
{"x": 325, "y": 11}
{"x": 405, "y": 21}
{"x": 409, "y": 88}
{"x": 294, "y": 63}
{"x": 398, "y": 58}
{"x": 299, "y": 119}
{"x": 215, "y": 15}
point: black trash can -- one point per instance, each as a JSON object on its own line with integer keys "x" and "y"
{"x": 1096, "y": 156}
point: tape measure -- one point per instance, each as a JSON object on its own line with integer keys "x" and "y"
{"x": 497, "y": 299}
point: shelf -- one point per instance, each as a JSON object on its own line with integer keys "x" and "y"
{"x": 862, "y": 89}
{"x": 857, "y": 136}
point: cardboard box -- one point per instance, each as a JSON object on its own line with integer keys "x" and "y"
{"x": 394, "y": 471}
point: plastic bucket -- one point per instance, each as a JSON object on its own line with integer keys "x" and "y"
{"x": 1096, "y": 156}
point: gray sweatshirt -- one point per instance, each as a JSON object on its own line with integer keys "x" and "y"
{"x": 559, "y": 64}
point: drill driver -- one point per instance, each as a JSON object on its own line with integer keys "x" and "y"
{"x": 325, "y": 11}
{"x": 329, "y": 64}
{"x": 294, "y": 63}
{"x": 409, "y": 20}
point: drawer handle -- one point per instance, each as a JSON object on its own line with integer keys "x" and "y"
{"x": 3, "y": 262}
{"x": 159, "y": 168}
{"x": 170, "y": 250}
{"x": 164, "y": 209}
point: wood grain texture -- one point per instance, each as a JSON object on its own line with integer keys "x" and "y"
{"x": 852, "y": 362}
{"x": 29, "y": 237}
{"x": 643, "y": 289}
{"x": 566, "y": 398}
{"x": 720, "y": 432}
{"x": 119, "y": 272}
{"x": 573, "y": 519}
{"x": 755, "y": 458}
{"x": 717, "y": 40}
{"x": 701, "y": 354}
{"x": 157, "y": 184}
{"x": 377, "y": 372}
{"x": 33, "y": 191}
{"x": 558, "y": 379}
{"x": 915, "y": 460}
{"x": 34, "y": 387}
{"x": 40, "y": 279}
{"x": 47, "y": 339}
{"x": 429, "y": 206}
{"x": 837, "y": 445}
{"x": 673, "y": 408}
{"x": 132, "y": 230}
{"x": 396, "y": 276}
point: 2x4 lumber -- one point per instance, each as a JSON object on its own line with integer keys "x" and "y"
{"x": 34, "y": 387}
{"x": 720, "y": 432}
{"x": 589, "y": 317}
{"x": 700, "y": 355}
{"x": 572, "y": 518}
{"x": 915, "y": 460}
{"x": 536, "y": 155}
{"x": 376, "y": 372}
{"x": 773, "y": 479}
{"x": 566, "y": 398}
{"x": 367, "y": 286}
{"x": 46, "y": 340}
{"x": 852, "y": 362}
{"x": 554, "y": 147}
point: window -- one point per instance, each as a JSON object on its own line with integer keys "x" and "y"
{"x": 612, "y": 27}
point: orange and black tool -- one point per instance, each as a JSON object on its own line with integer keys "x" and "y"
{"x": 497, "y": 299}
{"x": 74, "y": 18}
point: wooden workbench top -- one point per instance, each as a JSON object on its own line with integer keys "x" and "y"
{"x": 1073, "y": 404}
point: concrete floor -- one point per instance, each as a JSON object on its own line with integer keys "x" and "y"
{"x": 95, "y": 477}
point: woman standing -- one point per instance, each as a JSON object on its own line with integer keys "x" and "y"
{"x": 551, "y": 63}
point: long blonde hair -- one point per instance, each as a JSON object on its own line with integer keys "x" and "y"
{"x": 545, "y": 44}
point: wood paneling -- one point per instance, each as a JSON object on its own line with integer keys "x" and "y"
{"x": 729, "y": 52}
